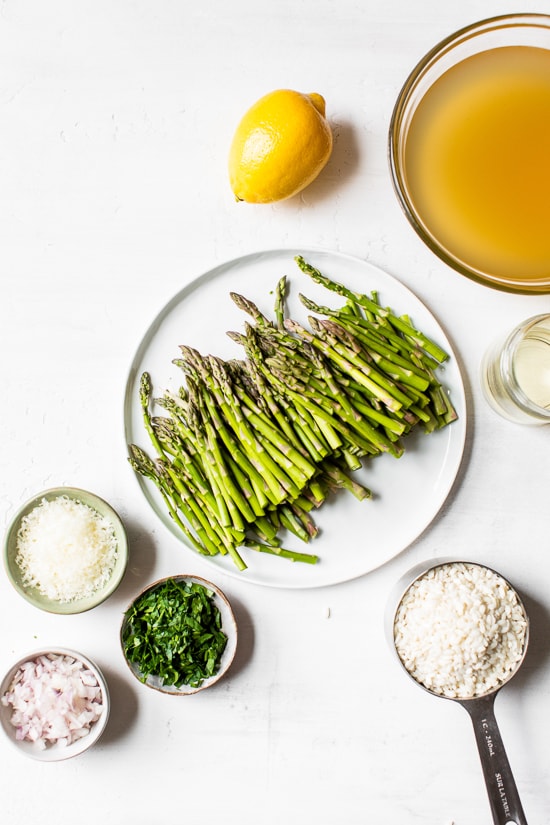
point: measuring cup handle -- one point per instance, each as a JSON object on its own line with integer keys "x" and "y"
{"x": 501, "y": 787}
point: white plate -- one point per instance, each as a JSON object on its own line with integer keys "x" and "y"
{"x": 354, "y": 537}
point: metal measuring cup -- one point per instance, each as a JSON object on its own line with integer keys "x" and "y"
{"x": 502, "y": 791}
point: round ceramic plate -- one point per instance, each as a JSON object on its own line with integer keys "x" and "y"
{"x": 354, "y": 537}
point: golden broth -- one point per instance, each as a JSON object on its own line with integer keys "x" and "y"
{"x": 477, "y": 162}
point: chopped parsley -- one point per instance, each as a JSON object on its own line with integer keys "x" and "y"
{"x": 173, "y": 631}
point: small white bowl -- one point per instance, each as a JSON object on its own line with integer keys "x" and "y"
{"x": 33, "y": 594}
{"x": 54, "y": 752}
{"x": 228, "y": 626}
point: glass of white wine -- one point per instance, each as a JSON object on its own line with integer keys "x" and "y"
{"x": 515, "y": 373}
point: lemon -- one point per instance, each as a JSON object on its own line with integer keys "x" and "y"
{"x": 279, "y": 147}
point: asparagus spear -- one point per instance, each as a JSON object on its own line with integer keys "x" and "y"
{"x": 401, "y": 324}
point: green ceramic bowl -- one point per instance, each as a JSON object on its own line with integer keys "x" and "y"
{"x": 33, "y": 594}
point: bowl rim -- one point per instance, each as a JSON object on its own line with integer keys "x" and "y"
{"x": 54, "y": 753}
{"x": 31, "y": 595}
{"x": 230, "y": 631}
{"x": 480, "y": 27}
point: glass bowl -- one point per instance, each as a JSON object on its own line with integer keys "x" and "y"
{"x": 463, "y": 183}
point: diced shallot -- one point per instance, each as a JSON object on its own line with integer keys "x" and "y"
{"x": 54, "y": 698}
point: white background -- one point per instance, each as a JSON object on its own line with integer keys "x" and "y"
{"x": 115, "y": 123}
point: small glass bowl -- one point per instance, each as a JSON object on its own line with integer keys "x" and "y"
{"x": 500, "y": 379}
{"x": 505, "y": 30}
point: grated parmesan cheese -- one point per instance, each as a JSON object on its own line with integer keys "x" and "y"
{"x": 65, "y": 549}
{"x": 460, "y": 630}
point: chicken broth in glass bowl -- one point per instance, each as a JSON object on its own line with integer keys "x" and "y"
{"x": 468, "y": 149}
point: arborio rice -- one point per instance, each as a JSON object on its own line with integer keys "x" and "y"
{"x": 460, "y": 630}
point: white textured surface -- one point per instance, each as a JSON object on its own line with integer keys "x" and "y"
{"x": 115, "y": 120}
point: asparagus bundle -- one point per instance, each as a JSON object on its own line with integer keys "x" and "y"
{"x": 248, "y": 448}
